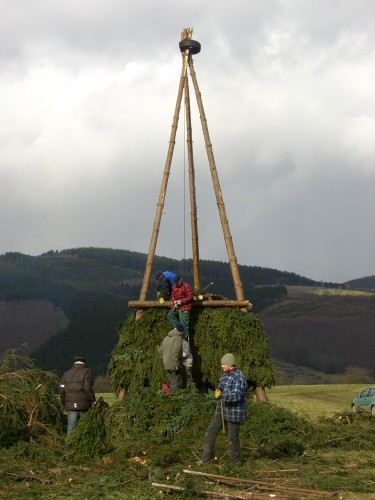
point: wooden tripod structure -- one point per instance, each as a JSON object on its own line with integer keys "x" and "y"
{"x": 189, "y": 47}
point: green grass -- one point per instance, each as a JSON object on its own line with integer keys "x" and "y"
{"x": 326, "y": 291}
{"x": 109, "y": 397}
{"x": 314, "y": 401}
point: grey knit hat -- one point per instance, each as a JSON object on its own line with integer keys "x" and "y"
{"x": 228, "y": 359}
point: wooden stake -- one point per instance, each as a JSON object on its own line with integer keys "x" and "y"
{"x": 222, "y": 415}
{"x": 263, "y": 485}
{"x": 210, "y": 494}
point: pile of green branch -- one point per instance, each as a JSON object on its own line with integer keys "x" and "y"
{"x": 171, "y": 429}
{"x": 135, "y": 361}
{"x": 142, "y": 420}
{"x": 29, "y": 408}
{"x": 88, "y": 438}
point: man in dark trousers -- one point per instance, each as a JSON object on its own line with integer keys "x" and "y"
{"x": 77, "y": 391}
{"x": 171, "y": 354}
{"x": 182, "y": 303}
{"x": 230, "y": 410}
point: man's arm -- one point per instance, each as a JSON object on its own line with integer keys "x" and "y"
{"x": 88, "y": 386}
{"x": 62, "y": 392}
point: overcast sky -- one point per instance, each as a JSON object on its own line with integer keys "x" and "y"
{"x": 88, "y": 91}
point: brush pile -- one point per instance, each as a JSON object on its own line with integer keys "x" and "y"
{"x": 29, "y": 408}
{"x": 135, "y": 361}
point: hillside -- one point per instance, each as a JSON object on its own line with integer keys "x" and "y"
{"x": 73, "y": 300}
{"x": 328, "y": 332}
{"x": 367, "y": 282}
{"x": 63, "y": 302}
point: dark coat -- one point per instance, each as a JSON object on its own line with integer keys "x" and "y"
{"x": 77, "y": 388}
{"x": 171, "y": 350}
{"x": 164, "y": 287}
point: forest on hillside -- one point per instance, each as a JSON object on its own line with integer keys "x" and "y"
{"x": 86, "y": 291}
{"x": 62, "y": 302}
{"x": 328, "y": 335}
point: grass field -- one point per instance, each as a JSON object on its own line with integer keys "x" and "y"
{"x": 326, "y": 291}
{"x": 314, "y": 401}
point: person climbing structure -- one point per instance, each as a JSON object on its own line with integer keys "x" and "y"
{"x": 164, "y": 285}
{"x": 170, "y": 352}
{"x": 182, "y": 303}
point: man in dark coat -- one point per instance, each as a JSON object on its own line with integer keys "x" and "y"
{"x": 77, "y": 391}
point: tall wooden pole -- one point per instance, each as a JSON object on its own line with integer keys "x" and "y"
{"x": 219, "y": 197}
{"x": 193, "y": 201}
{"x": 163, "y": 188}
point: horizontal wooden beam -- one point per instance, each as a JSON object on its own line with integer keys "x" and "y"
{"x": 146, "y": 304}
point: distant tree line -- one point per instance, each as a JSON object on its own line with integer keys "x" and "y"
{"x": 326, "y": 334}
{"x": 92, "y": 287}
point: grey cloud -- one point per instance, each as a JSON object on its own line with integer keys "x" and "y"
{"x": 90, "y": 89}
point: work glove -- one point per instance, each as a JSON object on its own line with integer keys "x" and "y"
{"x": 217, "y": 393}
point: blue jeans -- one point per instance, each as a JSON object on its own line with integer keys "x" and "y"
{"x": 73, "y": 417}
{"x": 233, "y": 436}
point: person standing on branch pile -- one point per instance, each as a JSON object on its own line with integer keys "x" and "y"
{"x": 77, "y": 391}
{"x": 182, "y": 303}
{"x": 170, "y": 352}
{"x": 230, "y": 410}
{"x": 164, "y": 285}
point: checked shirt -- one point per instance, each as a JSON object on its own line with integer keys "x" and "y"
{"x": 233, "y": 386}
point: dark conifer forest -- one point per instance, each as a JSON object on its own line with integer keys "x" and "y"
{"x": 63, "y": 302}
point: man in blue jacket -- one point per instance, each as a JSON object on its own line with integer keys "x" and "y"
{"x": 164, "y": 284}
{"x": 230, "y": 410}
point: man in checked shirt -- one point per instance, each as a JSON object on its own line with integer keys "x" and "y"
{"x": 230, "y": 410}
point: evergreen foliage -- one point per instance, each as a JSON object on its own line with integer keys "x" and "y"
{"x": 88, "y": 438}
{"x": 144, "y": 421}
{"x": 29, "y": 408}
{"x": 217, "y": 331}
{"x": 148, "y": 437}
{"x": 136, "y": 363}
{"x": 152, "y": 413}
{"x": 276, "y": 431}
